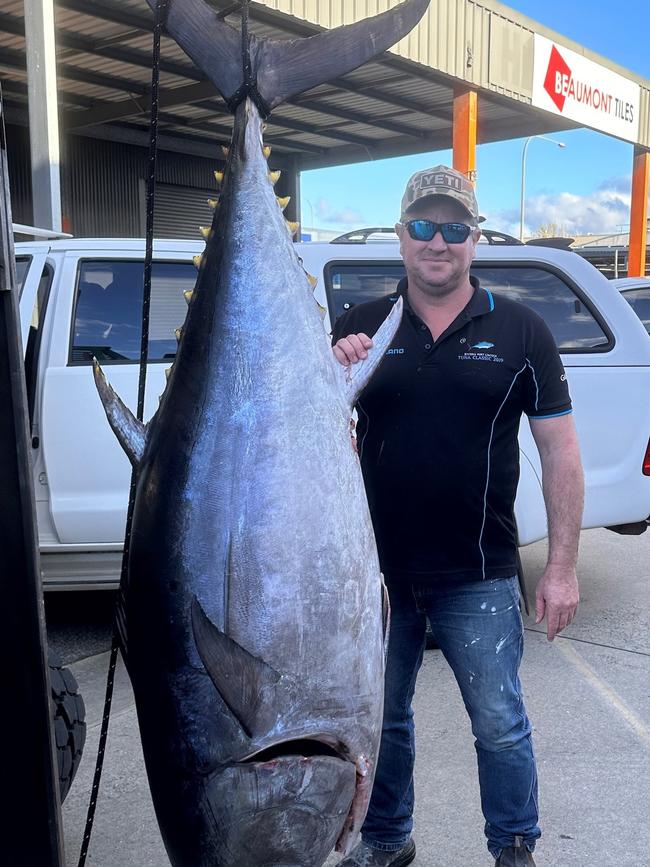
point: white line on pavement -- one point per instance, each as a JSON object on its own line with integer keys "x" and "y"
{"x": 611, "y": 696}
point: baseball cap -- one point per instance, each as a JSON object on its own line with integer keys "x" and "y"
{"x": 441, "y": 181}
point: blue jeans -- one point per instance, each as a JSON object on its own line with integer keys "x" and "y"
{"x": 479, "y": 630}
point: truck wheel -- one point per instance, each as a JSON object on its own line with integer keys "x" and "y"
{"x": 69, "y": 717}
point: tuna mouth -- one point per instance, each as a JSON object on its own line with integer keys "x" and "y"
{"x": 306, "y": 748}
{"x": 351, "y": 779}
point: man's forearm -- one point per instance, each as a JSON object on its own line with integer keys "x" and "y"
{"x": 563, "y": 487}
{"x": 557, "y": 595}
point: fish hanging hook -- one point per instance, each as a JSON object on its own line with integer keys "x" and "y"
{"x": 249, "y": 84}
{"x": 246, "y": 45}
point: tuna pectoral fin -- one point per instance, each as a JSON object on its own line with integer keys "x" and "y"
{"x": 130, "y": 432}
{"x": 246, "y": 683}
{"x": 280, "y": 70}
{"x": 356, "y": 376}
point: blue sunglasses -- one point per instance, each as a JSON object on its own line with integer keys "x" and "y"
{"x": 425, "y": 230}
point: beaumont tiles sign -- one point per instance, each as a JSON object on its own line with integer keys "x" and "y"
{"x": 568, "y": 84}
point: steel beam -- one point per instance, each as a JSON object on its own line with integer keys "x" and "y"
{"x": 330, "y": 132}
{"x": 87, "y": 45}
{"x": 435, "y": 140}
{"x": 205, "y": 125}
{"x": 639, "y": 213}
{"x": 333, "y": 132}
{"x": 464, "y": 132}
{"x": 177, "y": 143}
{"x": 124, "y": 109}
{"x": 18, "y": 88}
{"x": 391, "y": 124}
{"x": 191, "y": 94}
{"x": 170, "y": 140}
{"x": 14, "y": 59}
{"x": 106, "y": 10}
{"x": 43, "y": 114}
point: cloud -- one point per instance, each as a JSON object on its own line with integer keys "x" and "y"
{"x": 605, "y": 210}
{"x": 345, "y": 217}
{"x": 620, "y": 184}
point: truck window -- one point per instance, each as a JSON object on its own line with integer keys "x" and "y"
{"x": 108, "y": 310}
{"x": 572, "y": 323}
{"x": 350, "y": 283}
{"x": 22, "y": 267}
{"x": 639, "y": 301}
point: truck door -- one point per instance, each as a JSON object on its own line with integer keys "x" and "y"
{"x": 30, "y": 265}
{"x": 606, "y": 354}
{"x": 98, "y": 313}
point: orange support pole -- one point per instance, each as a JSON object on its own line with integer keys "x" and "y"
{"x": 639, "y": 213}
{"x": 464, "y": 134}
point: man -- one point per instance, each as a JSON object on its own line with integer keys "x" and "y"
{"x": 437, "y": 439}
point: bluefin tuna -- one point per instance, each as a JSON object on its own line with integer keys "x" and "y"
{"x": 254, "y": 634}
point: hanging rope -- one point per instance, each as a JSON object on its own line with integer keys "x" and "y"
{"x": 119, "y": 627}
{"x": 246, "y": 45}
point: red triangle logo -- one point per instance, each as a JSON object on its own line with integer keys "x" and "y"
{"x": 558, "y": 76}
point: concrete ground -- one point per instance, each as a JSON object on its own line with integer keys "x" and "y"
{"x": 588, "y": 695}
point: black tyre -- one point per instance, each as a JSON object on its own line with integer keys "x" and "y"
{"x": 69, "y": 716}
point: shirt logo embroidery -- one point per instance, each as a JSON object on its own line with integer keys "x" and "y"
{"x": 479, "y": 352}
{"x": 396, "y": 352}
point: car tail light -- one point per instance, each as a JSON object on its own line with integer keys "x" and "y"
{"x": 646, "y": 461}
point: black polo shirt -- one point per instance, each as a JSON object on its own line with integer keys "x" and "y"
{"x": 437, "y": 433}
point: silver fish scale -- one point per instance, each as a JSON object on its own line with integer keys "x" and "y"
{"x": 299, "y": 523}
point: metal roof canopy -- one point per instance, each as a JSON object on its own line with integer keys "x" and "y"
{"x": 401, "y": 103}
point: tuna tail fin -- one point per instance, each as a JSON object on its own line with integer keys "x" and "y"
{"x": 356, "y": 376}
{"x": 130, "y": 432}
{"x": 272, "y": 71}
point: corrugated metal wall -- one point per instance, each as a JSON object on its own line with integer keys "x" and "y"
{"x": 100, "y": 187}
{"x": 180, "y": 210}
{"x": 20, "y": 181}
{"x": 101, "y": 182}
{"x": 441, "y": 41}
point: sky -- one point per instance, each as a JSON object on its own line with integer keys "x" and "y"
{"x": 582, "y": 188}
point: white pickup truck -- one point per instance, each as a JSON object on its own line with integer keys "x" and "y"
{"x": 82, "y": 298}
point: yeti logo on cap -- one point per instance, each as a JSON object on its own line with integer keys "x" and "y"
{"x": 430, "y": 180}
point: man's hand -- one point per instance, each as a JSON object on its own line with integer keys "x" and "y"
{"x": 353, "y": 348}
{"x": 349, "y": 350}
{"x": 556, "y": 598}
